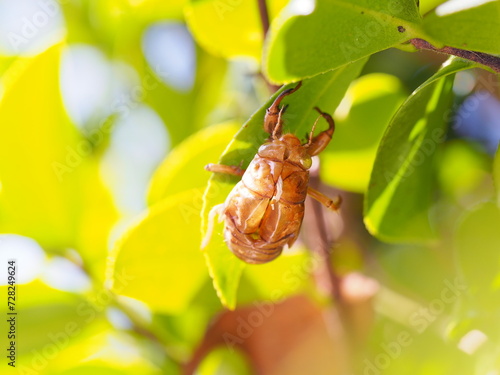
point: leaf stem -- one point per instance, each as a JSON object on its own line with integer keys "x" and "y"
{"x": 485, "y": 59}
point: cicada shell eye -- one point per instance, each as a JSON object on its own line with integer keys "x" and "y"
{"x": 306, "y": 162}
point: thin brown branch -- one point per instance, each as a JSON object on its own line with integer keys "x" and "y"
{"x": 264, "y": 16}
{"x": 485, "y": 59}
{"x": 322, "y": 247}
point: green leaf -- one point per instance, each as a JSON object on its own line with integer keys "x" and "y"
{"x": 224, "y": 361}
{"x": 69, "y": 207}
{"x": 106, "y": 352}
{"x": 427, "y": 5}
{"x": 161, "y": 255}
{"x": 337, "y": 32}
{"x": 325, "y": 91}
{"x": 229, "y": 28}
{"x": 472, "y": 25}
{"x": 496, "y": 175}
{"x": 48, "y": 202}
{"x": 477, "y": 243}
{"x": 361, "y": 119}
{"x": 158, "y": 10}
{"x": 399, "y": 195}
{"x": 96, "y": 220}
{"x": 182, "y": 169}
{"x": 39, "y": 154}
{"x": 47, "y": 317}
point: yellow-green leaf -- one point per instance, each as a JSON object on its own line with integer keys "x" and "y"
{"x": 399, "y": 195}
{"x": 50, "y": 188}
{"x": 312, "y": 37}
{"x": 471, "y": 25}
{"x": 183, "y": 168}
{"x": 361, "y": 119}
{"x": 40, "y": 152}
{"x": 229, "y": 28}
{"x": 158, "y": 253}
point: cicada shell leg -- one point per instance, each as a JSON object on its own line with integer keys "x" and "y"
{"x": 319, "y": 143}
{"x": 272, "y": 119}
{"x": 333, "y": 205}
{"x": 216, "y": 210}
{"x": 227, "y": 169}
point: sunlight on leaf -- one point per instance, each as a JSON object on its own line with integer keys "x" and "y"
{"x": 105, "y": 351}
{"x": 96, "y": 220}
{"x": 229, "y": 28}
{"x": 50, "y": 186}
{"x": 39, "y": 154}
{"x": 400, "y": 193}
{"x": 426, "y": 6}
{"x": 336, "y": 33}
{"x": 371, "y": 101}
{"x": 154, "y": 10}
{"x": 183, "y": 168}
{"x": 224, "y": 361}
{"x": 471, "y": 25}
{"x": 160, "y": 251}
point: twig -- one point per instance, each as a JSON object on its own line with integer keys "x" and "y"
{"x": 264, "y": 16}
{"x": 490, "y": 61}
{"x": 321, "y": 247}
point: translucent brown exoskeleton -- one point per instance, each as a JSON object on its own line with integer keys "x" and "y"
{"x": 264, "y": 211}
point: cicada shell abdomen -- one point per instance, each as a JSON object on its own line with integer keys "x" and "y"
{"x": 264, "y": 211}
